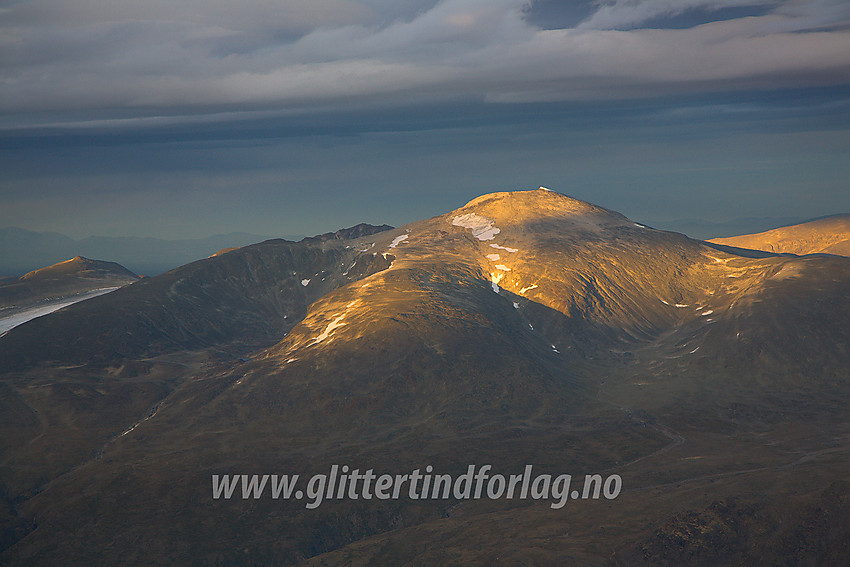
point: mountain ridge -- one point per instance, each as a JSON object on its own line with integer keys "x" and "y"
{"x": 826, "y": 235}
{"x": 60, "y": 282}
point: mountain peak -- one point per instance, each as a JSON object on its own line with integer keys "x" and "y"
{"x": 541, "y": 209}
{"x": 78, "y": 266}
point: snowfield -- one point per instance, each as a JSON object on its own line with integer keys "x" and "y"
{"x": 482, "y": 228}
{"x": 398, "y": 240}
{"x": 12, "y": 320}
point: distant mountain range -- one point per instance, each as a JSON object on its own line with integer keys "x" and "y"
{"x": 22, "y": 250}
{"x": 521, "y": 329}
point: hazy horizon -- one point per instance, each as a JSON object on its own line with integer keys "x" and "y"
{"x": 694, "y": 227}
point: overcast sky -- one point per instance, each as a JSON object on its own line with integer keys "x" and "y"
{"x": 184, "y": 119}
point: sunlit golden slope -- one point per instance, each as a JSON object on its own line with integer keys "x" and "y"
{"x": 574, "y": 273}
{"x": 830, "y": 235}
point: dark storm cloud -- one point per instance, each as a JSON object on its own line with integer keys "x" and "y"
{"x": 628, "y": 14}
{"x": 153, "y": 58}
{"x": 654, "y": 159}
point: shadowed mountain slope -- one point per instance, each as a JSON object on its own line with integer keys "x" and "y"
{"x": 244, "y": 296}
{"x": 74, "y": 276}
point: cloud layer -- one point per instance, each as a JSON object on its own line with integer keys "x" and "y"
{"x": 161, "y": 57}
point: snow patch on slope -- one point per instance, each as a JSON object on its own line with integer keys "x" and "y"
{"x": 398, "y": 240}
{"x": 482, "y": 228}
{"x": 336, "y": 323}
{"x": 494, "y": 281}
{"x": 333, "y": 325}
